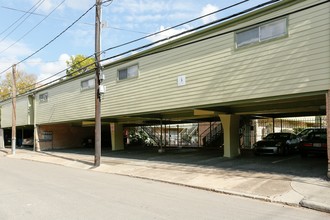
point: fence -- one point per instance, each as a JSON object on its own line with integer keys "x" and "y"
{"x": 252, "y": 131}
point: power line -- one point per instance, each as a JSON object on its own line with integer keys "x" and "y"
{"x": 194, "y": 29}
{"x": 24, "y": 35}
{"x": 216, "y": 35}
{"x": 28, "y": 15}
{"x": 26, "y": 12}
{"x": 178, "y": 25}
{"x": 148, "y": 45}
{"x": 66, "y": 19}
{"x": 131, "y": 42}
{"x": 149, "y": 34}
{"x": 57, "y": 36}
{"x": 107, "y": 5}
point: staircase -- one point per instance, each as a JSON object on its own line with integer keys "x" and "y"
{"x": 213, "y": 136}
{"x": 155, "y": 137}
{"x": 187, "y": 133}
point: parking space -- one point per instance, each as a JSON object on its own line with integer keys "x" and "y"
{"x": 290, "y": 166}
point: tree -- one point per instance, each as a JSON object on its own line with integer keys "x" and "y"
{"x": 79, "y": 64}
{"x": 24, "y": 83}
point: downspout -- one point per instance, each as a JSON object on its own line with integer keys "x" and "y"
{"x": 36, "y": 145}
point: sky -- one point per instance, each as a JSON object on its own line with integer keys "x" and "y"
{"x": 22, "y": 34}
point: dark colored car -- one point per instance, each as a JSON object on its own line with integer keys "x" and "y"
{"x": 277, "y": 143}
{"x": 313, "y": 142}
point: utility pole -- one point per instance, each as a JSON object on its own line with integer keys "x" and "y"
{"x": 97, "y": 159}
{"x": 13, "y": 134}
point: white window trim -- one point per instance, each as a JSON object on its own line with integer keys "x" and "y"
{"x": 132, "y": 77}
{"x": 89, "y": 87}
{"x": 259, "y": 38}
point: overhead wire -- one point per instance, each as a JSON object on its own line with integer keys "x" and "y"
{"x": 149, "y": 35}
{"x": 148, "y": 45}
{"x": 66, "y": 19}
{"x": 210, "y": 37}
{"x": 34, "y": 27}
{"x": 193, "y": 29}
{"x": 26, "y": 12}
{"x": 175, "y": 26}
{"x": 19, "y": 24}
{"x": 56, "y": 37}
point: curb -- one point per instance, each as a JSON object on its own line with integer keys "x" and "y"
{"x": 225, "y": 192}
{"x": 315, "y": 205}
{"x": 303, "y": 203}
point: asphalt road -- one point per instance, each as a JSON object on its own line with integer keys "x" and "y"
{"x": 31, "y": 190}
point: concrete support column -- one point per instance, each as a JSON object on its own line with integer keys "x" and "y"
{"x": 117, "y": 137}
{"x": 328, "y": 129}
{"x": 2, "y": 140}
{"x": 230, "y": 124}
{"x": 36, "y": 143}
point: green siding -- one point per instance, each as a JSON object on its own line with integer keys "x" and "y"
{"x": 218, "y": 73}
{"x": 22, "y": 112}
{"x": 66, "y": 102}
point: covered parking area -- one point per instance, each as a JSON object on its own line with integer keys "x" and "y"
{"x": 230, "y": 114}
{"x": 76, "y": 134}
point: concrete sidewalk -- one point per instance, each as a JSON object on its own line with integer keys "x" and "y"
{"x": 307, "y": 192}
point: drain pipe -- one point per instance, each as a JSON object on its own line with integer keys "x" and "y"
{"x": 36, "y": 144}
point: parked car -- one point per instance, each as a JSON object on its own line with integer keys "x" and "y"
{"x": 306, "y": 131}
{"x": 277, "y": 143}
{"x": 313, "y": 141}
{"x": 28, "y": 142}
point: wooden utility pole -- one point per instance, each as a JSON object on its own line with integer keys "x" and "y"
{"x": 13, "y": 134}
{"x": 97, "y": 159}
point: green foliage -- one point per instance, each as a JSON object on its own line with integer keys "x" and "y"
{"x": 79, "y": 64}
{"x": 24, "y": 83}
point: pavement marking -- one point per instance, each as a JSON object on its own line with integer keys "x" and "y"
{"x": 279, "y": 161}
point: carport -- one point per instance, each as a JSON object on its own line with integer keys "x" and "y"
{"x": 70, "y": 135}
{"x": 309, "y": 104}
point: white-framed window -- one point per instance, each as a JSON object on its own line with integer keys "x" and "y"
{"x": 128, "y": 72}
{"x": 264, "y": 32}
{"x": 87, "y": 84}
{"x": 43, "y": 97}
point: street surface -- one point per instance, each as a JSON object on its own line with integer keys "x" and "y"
{"x": 32, "y": 190}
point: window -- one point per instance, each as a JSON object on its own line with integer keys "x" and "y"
{"x": 87, "y": 84}
{"x": 262, "y": 33}
{"x": 43, "y": 97}
{"x": 129, "y": 72}
{"x": 47, "y": 136}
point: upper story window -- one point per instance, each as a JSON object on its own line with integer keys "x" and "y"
{"x": 87, "y": 84}
{"x": 128, "y": 72}
{"x": 262, "y": 33}
{"x": 43, "y": 97}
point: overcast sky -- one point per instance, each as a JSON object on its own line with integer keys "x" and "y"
{"x": 21, "y": 34}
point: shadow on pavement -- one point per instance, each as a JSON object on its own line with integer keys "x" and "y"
{"x": 290, "y": 165}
